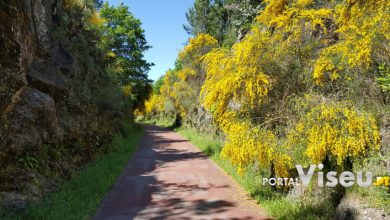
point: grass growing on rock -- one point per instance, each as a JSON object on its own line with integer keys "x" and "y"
{"x": 80, "y": 197}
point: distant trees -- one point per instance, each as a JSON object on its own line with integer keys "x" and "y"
{"x": 125, "y": 43}
{"x": 157, "y": 85}
{"x": 225, "y": 20}
{"x": 177, "y": 92}
{"x": 207, "y": 17}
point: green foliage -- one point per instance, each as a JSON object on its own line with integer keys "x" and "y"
{"x": 124, "y": 40}
{"x": 80, "y": 196}
{"x": 110, "y": 99}
{"x": 28, "y": 161}
{"x": 206, "y": 17}
{"x": 157, "y": 85}
{"x": 384, "y": 77}
{"x": 79, "y": 29}
{"x": 123, "y": 36}
{"x": 242, "y": 14}
{"x": 378, "y": 197}
{"x": 225, "y": 20}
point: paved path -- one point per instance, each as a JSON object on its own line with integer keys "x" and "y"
{"x": 169, "y": 178}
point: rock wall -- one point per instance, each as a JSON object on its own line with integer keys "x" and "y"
{"x": 25, "y": 31}
{"x": 49, "y": 118}
{"x": 201, "y": 120}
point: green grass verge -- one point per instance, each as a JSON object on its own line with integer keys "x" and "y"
{"x": 164, "y": 122}
{"x": 80, "y": 197}
{"x": 275, "y": 204}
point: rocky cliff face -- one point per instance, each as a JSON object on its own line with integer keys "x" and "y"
{"x": 24, "y": 38}
{"x": 49, "y": 117}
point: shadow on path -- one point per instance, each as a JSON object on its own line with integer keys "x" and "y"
{"x": 168, "y": 178}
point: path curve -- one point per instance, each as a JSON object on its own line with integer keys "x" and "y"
{"x": 169, "y": 178}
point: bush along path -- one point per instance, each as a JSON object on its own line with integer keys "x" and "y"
{"x": 169, "y": 178}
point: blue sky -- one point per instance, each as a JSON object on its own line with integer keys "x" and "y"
{"x": 163, "y": 24}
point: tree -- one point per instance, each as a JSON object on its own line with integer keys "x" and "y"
{"x": 157, "y": 85}
{"x": 225, "y": 20}
{"x": 125, "y": 43}
{"x": 241, "y": 15}
{"x": 207, "y": 17}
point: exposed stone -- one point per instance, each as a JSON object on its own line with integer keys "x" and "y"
{"x": 388, "y": 167}
{"x": 26, "y": 33}
{"x": 13, "y": 200}
{"x": 202, "y": 120}
{"x": 385, "y": 133}
{"x": 41, "y": 17}
{"x": 47, "y": 105}
{"x": 47, "y": 78}
{"x": 10, "y": 46}
{"x": 60, "y": 58}
{"x": 31, "y": 121}
{"x": 351, "y": 208}
{"x": 11, "y": 81}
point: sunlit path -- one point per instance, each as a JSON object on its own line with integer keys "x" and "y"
{"x": 169, "y": 178}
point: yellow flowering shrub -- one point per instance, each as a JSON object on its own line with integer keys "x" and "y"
{"x": 239, "y": 81}
{"x": 354, "y": 34}
{"x": 127, "y": 90}
{"x": 274, "y": 8}
{"x": 154, "y": 105}
{"x": 169, "y": 79}
{"x": 182, "y": 86}
{"x": 337, "y": 131}
{"x": 167, "y": 92}
{"x": 95, "y": 19}
{"x": 254, "y": 83}
{"x": 363, "y": 33}
{"x": 328, "y": 39}
{"x": 90, "y": 15}
{"x": 235, "y": 76}
{"x": 73, "y": 3}
{"x": 235, "y": 85}
{"x": 192, "y": 70}
{"x": 197, "y": 47}
{"x": 247, "y": 144}
{"x": 157, "y": 102}
{"x": 177, "y": 92}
